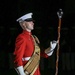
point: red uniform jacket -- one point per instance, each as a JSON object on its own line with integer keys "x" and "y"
{"x": 24, "y": 47}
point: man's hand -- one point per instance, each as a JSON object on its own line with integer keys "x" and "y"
{"x": 20, "y": 70}
{"x": 49, "y": 51}
{"x": 53, "y": 44}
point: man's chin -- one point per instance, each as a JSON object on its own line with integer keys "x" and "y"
{"x": 32, "y": 28}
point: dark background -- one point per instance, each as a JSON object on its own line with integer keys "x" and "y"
{"x": 46, "y": 24}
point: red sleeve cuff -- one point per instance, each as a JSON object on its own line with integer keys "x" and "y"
{"x": 43, "y": 54}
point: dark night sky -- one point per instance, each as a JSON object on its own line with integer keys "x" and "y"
{"x": 45, "y": 12}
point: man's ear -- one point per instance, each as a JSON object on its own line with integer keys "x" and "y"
{"x": 22, "y": 25}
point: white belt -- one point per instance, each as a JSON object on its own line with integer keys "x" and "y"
{"x": 25, "y": 59}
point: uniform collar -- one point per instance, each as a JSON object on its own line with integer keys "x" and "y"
{"x": 26, "y": 32}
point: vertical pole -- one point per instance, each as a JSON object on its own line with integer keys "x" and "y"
{"x": 59, "y": 13}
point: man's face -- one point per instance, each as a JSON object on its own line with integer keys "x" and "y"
{"x": 29, "y": 25}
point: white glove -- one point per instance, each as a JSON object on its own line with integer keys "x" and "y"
{"x": 53, "y": 44}
{"x": 20, "y": 70}
{"x": 50, "y": 53}
{"x": 50, "y": 50}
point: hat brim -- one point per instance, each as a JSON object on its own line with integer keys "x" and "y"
{"x": 29, "y": 19}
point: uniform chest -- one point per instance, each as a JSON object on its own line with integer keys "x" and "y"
{"x": 29, "y": 46}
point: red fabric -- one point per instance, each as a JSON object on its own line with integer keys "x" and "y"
{"x": 24, "y": 47}
{"x": 43, "y": 54}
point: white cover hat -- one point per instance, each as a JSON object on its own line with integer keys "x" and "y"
{"x": 26, "y": 17}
